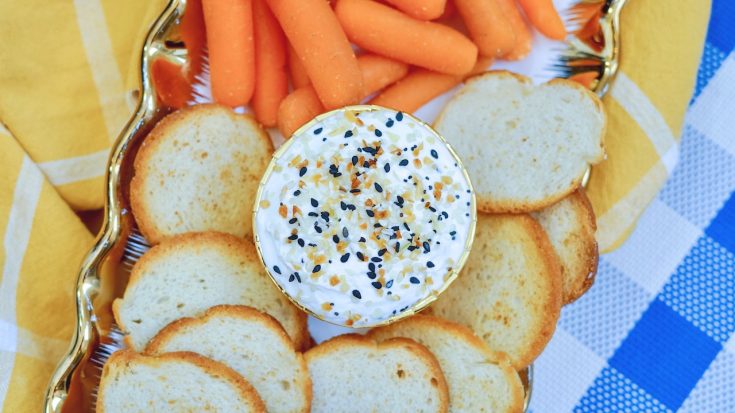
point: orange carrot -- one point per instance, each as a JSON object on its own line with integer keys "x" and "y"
{"x": 544, "y": 17}
{"x": 379, "y": 72}
{"x": 229, "y": 25}
{"x": 422, "y": 10}
{"x": 323, "y": 48}
{"x": 298, "y": 108}
{"x": 482, "y": 65}
{"x": 388, "y": 32}
{"x": 271, "y": 81}
{"x": 419, "y": 87}
{"x": 415, "y": 90}
{"x": 299, "y": 78}
{"x": 170, "y": 83}
{"x": 194, "y": 36}
{"x": 586, "y": 79}
{"x": 522, "y": 33}
{"x": 489, "y": 28}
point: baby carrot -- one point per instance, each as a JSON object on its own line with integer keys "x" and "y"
{"x": 379, "y": 72}
{"x": 299, "y": 78}
{"x": 415, "y": 90}
{"x": 388, "y": 32}
{"x": 323, "y": 48}
{"x": 489, "y": 28}
{"x": 419, "y": 87}
{"x": 229, "y": 25}
{"x": 422, "y": 10}
{"x": 522, "y": 34}
{"x": 193, "y": 36}
{"x": 544, "y": 17}
{"x": 271, "y": 82}
{"x": 301, "y": 105}
{"x": 172, "y": 87}
{"x": 298, "y": 108}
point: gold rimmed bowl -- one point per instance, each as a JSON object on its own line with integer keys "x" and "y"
{"x": 590, "y": 55}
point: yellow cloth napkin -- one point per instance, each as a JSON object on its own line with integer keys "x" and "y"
{"x": 67, "y": 68}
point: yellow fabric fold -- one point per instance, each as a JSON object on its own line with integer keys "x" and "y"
{"x": 67, "y": 68}
{"x": 660, "y": 51}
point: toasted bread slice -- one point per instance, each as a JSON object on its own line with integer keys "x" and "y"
{"x": 479, "y": 379}
{"x": 187, "y": 274}
{"x": 173, "y": 382}
{"x": 251, "y": 343}
{"x": 524, "y": 146}
{"x": 571, "y": 225}
{"x": 198, "y": 170}
{"x": 352, "y": 373}
{"x": 509, "y": 291}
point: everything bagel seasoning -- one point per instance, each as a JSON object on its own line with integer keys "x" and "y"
{"x": 364, "y": 214}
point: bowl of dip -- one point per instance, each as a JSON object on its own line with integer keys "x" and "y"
{"x": 364, "y": 216}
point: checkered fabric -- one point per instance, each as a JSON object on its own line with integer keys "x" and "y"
{"x": 655, "y": 333}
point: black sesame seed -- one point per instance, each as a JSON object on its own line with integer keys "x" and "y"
{"x": 357, "y": 294}
{"x": 445, "y": 215}
{"x": 371, "y": 266}
{"x": 317, "y": 268}
{"x": 314, "y": 203}
{"x": 345, "y": 257}
{"x": 389, "y": 284}
{"x": 354, "y": 160}
{"x": 348, "y": 134}
{"x": 345, "y": 233}
{"x": 378, "y": 187}
{"x": 335, "y": 238}
{"x": 293, "y": 237}
{"x": 317, "y": 131}
{"x": 360, "y": 256}
{"x": 370, "y": 213}
{"x": 386, "y": 167}
{"x": 296, "y": 192}
{"x": 366, "y": 164}
{"x": 313, "y": 214}
{"x": 403, "y": 162}
{"x": 355, "y": 191}
{"x": 426, "y": 246}
{"x": 453, "y": 233}
{"x": 399, "y": 116}
{"x": 342, "y": 205}
{"x": 362, "y": 239}
{"x": 318, "y": 229}
{"x": 389, "y": 123}
{"x": 302, "y": 171}
{"x": 376, "y": 259}
{"x": 377, "y": 284}
{"x": 414, "y": 280}
{"x": 291, "y": 278}
{"x": 372, "y": 275}
{"x": 325, "y": 216}
{"x": 292, "y": 221}
{"x": 382, "y": 252}
{"x": 434, "y": 154}
{"x": 276, "y": 269}
{"x": 301, "y": 243}
{"x": 405, "y": 225}
{"x": 298, "y": 278}
{"x": 378, "y": 133}
{"x": 430, "y": 264}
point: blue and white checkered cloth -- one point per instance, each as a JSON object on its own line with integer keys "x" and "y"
{"x": 655, "y": 332}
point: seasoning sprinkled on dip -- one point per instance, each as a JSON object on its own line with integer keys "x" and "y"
{"x": 363, "y": 215}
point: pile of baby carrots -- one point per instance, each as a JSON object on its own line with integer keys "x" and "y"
{"x": 412, "y": 51}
